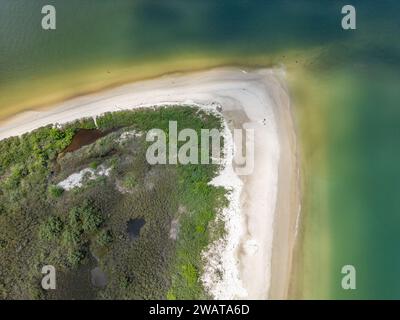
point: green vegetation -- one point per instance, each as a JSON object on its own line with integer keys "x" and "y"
{"x": 51, "y": 228}
{"x": 56, "y": 191}
{"x": 129, "y": 181}
{"x": 104, "y": 238}
{"x": 94, "y": 165}
{"x": 77, "y": 230}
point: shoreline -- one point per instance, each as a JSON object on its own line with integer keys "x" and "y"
{"x": 248, "y": 98}
{"x": 288, "y": 211}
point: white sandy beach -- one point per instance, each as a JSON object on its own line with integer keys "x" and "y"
{"x": 261, "y": 219}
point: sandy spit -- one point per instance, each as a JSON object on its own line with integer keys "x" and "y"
{"x": 256, "y": 255}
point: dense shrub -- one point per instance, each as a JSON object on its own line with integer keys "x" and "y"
{"x": 51, "y": 229}
{"x": 104, "y": 238}
{"x": 55, "y": 191}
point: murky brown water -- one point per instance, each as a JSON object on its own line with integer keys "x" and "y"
{"x": 84, "y": 137}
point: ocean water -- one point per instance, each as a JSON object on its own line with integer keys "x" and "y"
{"x": 349, "y": 129}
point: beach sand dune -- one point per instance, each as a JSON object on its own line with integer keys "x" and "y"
{"x": 268, "y": 201}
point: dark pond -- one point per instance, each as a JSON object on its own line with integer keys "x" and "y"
{"x": 134, "y": 226}
{"x": 84, "y": 137}
{"x": 98, "y": 277}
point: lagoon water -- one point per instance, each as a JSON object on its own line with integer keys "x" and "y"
{"x": 349, "y": 125}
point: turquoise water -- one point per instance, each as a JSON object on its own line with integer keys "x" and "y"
{"x": 364, "y": 159}
{"x": 363, "y": 112}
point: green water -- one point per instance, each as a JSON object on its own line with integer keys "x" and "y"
{"x": 104, "y": 31}
{"x": 361, "y": 111}
{"x": 364, "y": 184}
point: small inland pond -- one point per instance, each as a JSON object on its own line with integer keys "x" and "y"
{"x": 134, "y": 226}
{"x": 84, "y": 137}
